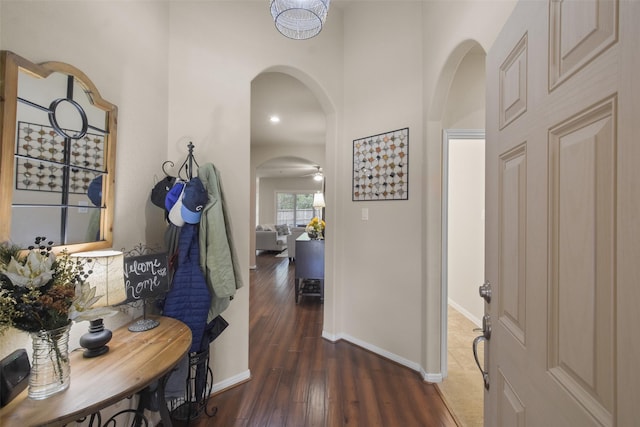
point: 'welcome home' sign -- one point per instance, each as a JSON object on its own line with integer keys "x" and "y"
{"x": 146, "y": 276}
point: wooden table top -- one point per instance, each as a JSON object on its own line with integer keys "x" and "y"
{"x": 134, "y": 360}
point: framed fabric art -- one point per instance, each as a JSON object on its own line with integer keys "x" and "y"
{"x": 381, "y": 167}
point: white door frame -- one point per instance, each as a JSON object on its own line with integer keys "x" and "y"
{"x": 447, "y": 135}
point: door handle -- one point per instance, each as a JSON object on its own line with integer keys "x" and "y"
{"x": 485, "y": 374}
{"x": 485, "y": 291}
{"x": 486, "y": 327}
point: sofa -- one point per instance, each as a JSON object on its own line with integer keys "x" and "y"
{"x": 271, "y": 238}
{"x": 291, "y": 241}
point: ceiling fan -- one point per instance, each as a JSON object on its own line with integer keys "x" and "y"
{"x": 317, "y": 175}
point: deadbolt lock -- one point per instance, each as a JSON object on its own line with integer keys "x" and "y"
{"x": 485, "y": 291}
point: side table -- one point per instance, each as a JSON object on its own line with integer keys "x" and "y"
{"x": 134, "y": 360}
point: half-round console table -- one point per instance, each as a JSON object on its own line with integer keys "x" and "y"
{"x": 134, "y": 361}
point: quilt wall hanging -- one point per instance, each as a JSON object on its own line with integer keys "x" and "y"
{"x": 381, "y": 166}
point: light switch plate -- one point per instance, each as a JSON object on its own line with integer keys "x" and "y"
{"x": 365, "y": 214}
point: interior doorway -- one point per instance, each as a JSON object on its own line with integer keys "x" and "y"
{"x": 288, "y": 142}
{"x": 463, "y": 270}
{"x": 463, "y": 220}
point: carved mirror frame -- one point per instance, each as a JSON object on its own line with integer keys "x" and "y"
{"x": 13, "y": 161}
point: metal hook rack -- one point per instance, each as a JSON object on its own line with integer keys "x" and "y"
{"x": 187, "y": 165}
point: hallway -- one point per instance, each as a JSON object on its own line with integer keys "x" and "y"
{"x": 301, "y": 379}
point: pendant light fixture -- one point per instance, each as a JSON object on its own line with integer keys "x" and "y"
{"x": 299, "y": 19}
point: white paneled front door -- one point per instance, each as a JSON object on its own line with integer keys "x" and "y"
{"x": 563, "y": 207}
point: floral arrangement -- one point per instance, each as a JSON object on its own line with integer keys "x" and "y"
{"x": 41, "y": 291}
{"x": 315, "y": 228}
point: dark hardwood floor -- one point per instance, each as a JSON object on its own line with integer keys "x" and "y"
{"x": 300, "y": 379}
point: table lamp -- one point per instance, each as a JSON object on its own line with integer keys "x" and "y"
{"x": 107, "y": 277}
{"x": 318, "y": 203}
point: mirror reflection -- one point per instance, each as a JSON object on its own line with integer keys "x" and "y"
{"x": 61, "y": 140}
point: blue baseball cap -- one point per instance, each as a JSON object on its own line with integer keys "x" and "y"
{"x": 194, "y": 199}
{"x": 173, "y": 204}
{"x": 95, "y": 191}
{"x": 173, "y": 195}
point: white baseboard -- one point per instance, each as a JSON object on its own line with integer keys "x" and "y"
{"x": 426, "y": 376}
{"x": 232, "y": 381}
{"x": 465, "y": 313}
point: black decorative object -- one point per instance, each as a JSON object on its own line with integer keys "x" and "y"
{"x": 14, "y": 375}
{"x": 107, "y": 276}
{"x": 95, "y": 341}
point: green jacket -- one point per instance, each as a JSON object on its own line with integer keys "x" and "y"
{"x": 218, "y": 257}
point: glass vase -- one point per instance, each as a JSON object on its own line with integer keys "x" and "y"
{"x": 50, "y": 369}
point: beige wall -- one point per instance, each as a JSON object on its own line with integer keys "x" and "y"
{"x": 464, "y": 108}
{"x": 182, "y": 71}
{"x": 465, "y": 226}
{"x": 378, "y": 283}
{"x": 105, "y": 41}
{"x": 464, "y": 111}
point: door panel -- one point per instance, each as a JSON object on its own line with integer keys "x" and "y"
{"x": 563, "y": 113}
{"x": 513, "y": 196}
{"x": 511, "y": 409}
{"x": 513, "y": 84}
{"x": 579, "y": 31}
{"x": 582, "y": 257}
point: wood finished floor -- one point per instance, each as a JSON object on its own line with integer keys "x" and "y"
{"x": 300, "y": 379}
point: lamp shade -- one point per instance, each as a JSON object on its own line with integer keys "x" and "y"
{"x": 299, "y": 19}
{"x": 318, "y": 200}
{"x": 107, "y": 275}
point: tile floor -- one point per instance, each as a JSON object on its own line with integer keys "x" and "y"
{"x": 463, "y": 389}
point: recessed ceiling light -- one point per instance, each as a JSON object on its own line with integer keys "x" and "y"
{"x": 274, "y": 119}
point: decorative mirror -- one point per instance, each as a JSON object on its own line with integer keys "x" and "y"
{"x": 57, "y": 156}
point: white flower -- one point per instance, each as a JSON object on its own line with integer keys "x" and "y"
{"x": 37, "y": 271}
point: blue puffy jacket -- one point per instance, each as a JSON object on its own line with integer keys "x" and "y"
{"x": 189, "y": 298}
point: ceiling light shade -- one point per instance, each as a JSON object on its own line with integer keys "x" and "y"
{"x": 299, "y": 19}
{"x": 317, "y": 176}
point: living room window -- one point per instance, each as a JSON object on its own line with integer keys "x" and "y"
{"x": 294, "y": 208}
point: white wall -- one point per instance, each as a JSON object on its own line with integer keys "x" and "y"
{"x": 378, "y": 261}
{"x": 105, "y": 41}
{"x": 216, "y": 49}
{"x": 182, "y": 71}
{"x": 465, "y": 109}
{"x": 465, "y": 230}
